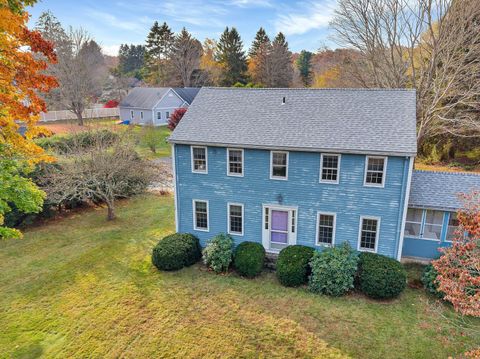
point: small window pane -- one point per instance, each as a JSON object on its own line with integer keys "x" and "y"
{"x": 414, "y": 215}
{"x": 201, "y": 215}
{"x": 329, "y": 168}
{"x": 235, "y": 162}
{"x": 159, "y": 115}
{"x": 453, "y": 225}
{"x": 325, "y": 229}
{"x": 368, "y": 235}
{"x": 434, "y": 217}
{"x": 279, "y": 164}
{"x": 199, "y": 159}
{"x": 236, "y": 219}
{"x": 433, "y": 225}
{"x": 375, "y": 171}
{"x": 412, "y": 229}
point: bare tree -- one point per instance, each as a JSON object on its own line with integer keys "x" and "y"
{"x": 102, "y": 172}
{"x": 185, "y": 56}
{"x": 430, "y": 45}
{"x": 80, "y": 71}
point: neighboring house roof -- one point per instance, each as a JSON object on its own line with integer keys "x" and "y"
{"x": 148, "y": 97}
{"x": 335, "y": 120}
{"x": 440, "y": 190}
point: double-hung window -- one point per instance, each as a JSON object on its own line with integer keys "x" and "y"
{"x": 278, "y": 165}
{"x": 433, "y": 225}
{"x": 329, "y": 168}
{"x": 375, "y": 171}
{"x": 199, "y": 159}
{"x": 141, "y": 115}
{"x": 132, "y": 114}
{"x": 326, "y": 229}
{"x": 167, "y": 115}
{"x": 453, "y": 225}
{"x": 200, "y": 215}
{"x": 368, "y": 234}
{"x": 235, "y": 219}
{"x": 235, "y": 162}
{"x": 413, "y": 224}
{"x": 159, "y": 115}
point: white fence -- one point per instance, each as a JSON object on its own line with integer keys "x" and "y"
{"x": 89, "y": 113}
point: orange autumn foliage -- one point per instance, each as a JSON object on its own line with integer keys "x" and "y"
{"x": 459, "y": 266}
{"x": 24, "y": 55}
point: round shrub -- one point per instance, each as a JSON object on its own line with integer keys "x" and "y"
{"x": 381, "y": 277}
{"x": 293, "y": 266}
{"x": 176, "y": 251}
{"x": 217, "y": 255}
{"x": 249, "y": 258}
{"x": 429, "y": 280}
{"x": 333, "y": 270}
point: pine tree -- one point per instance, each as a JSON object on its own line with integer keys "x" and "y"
{"x": 281, "y": 70}
{"x": 157, "y": 53}
{"x": 231, "y": 56}
{"x": 305, "y": 67}
{"x": 260, "y": 38}
{"x": 130, "y": 59}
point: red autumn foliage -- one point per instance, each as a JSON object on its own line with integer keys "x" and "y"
{"x": 175, "y": 117}
{"x": 111, "y": 104}
{"x": 459, "y": 266}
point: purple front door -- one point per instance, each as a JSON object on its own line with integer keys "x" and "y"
{"x": 279, "y": 229}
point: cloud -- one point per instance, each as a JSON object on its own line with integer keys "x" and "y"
{"x": 112, "y": 20}
{"x": 252, "y": 3}
{"x": 111, "y": 50}
{"x": 314, "y": 15}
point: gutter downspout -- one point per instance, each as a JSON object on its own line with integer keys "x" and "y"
{"x": 406, "y": 196}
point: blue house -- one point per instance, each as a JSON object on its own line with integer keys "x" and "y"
{"x": 316, "y": 167}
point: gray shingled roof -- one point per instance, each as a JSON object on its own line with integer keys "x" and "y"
{"x": 343, "y": 120}
{"x": 439, "y": 190}
{"x": 147, "y": 97}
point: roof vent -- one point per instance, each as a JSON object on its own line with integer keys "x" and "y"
{"x": 283, "y": 101}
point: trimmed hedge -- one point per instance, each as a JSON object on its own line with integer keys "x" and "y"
{"x": 381, "y": 277}
{"x": 249, "y": 258}
{"x": 217, "y": 255}
{"x": 293, "y": 266}
{"x": 176, "y": 251}
{"x": 333, "y": 270}
{"x": 429, "y": 280}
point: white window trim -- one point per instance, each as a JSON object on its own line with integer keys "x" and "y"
{"x": 192, "y": 160}
{"x": 377, "y": 236}
{"x": 317, "y": 243}
{"x": 195, "y": 218}
{"x": 228, "y": 162}
{"x": 424, "y": 224}
{"x": 228, "y": 219}
{"x": 384, "y": 176}
{"x": 448, "y": 221}
{"x": 272, "y": 177}
{"x": 292, "y": 240}
{"x": 338, "y": 168}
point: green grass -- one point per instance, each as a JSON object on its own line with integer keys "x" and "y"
{"x": 84, "y": 287}
{"x": 159, "y": 135}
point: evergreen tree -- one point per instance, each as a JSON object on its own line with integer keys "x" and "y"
{"x": 51, "y": 29}
{"x": 281, "y": 70}
{"x": 305, "y": 67}
{"x": 130, "y": 59}
{"x": 157, "y": 53}
{"x": 230, "y": 55}
{"x": 260, "y": 38}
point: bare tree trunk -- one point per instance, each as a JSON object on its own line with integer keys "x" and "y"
{"x": 79, "y": 118}
{"x": 110, "y": 211}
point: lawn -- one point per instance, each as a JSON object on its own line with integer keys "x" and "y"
{"x": 81, "y": 287}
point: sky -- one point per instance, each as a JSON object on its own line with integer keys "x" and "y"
{"x": 113, "y": 22}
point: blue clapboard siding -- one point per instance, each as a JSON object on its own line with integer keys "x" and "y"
{"x": 427, "y": 248}
{"x": 349, "y": 199}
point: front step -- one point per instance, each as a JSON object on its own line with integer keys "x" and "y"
{"x": 271, "y": 261}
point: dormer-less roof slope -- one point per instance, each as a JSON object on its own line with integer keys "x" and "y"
{"x": 148, "y": 97}
{"x": 333, "y": 120}
{"x": 440, "y": 190}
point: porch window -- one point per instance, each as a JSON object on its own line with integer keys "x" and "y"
{"x": 413, "y": 223}
{"x": 453, "y": 225}
{"x": 375, "y": 171}
{"x": 235, "y": 219}
{"x": 325, "y": 229}
{"x": 369, "y": 228}
{"x": 329, "y": 168}
{"x": 278, "y": 165}
{"x": 200, "y": 215}
{"x": 433, "y": 225}
{"x": 199, "y": 159}
{"x": 235, "y": 162}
